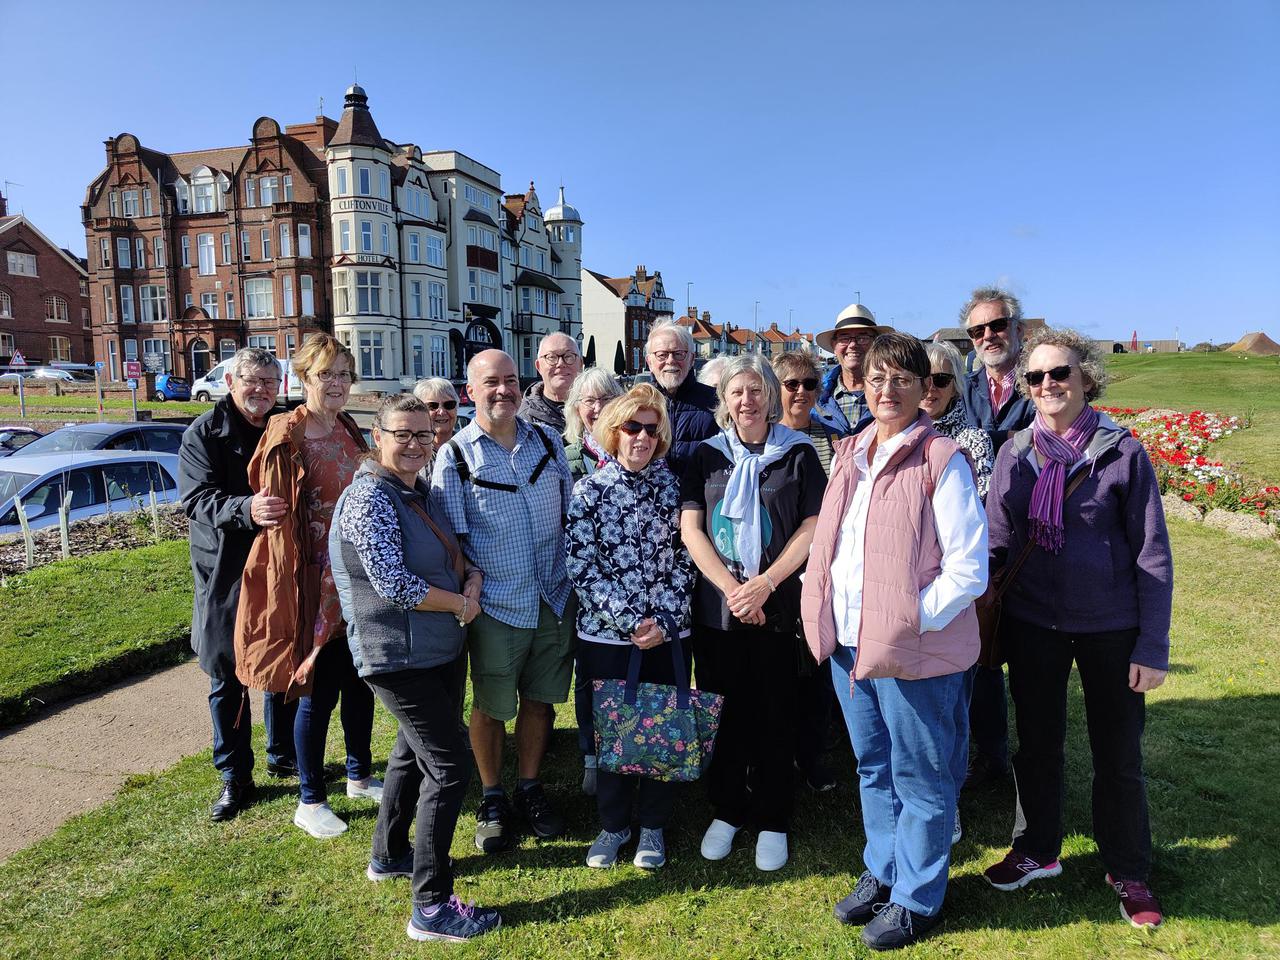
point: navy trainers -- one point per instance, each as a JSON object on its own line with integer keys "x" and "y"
{"x": 454, "y": 921}
{"x": 895, "y": 927}
{"x": 387, "y": 869}
{"x": 868, "y": 898}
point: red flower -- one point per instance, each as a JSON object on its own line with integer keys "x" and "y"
{"x": 1188, "y": 497}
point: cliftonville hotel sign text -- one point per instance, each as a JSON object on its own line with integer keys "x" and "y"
{"x": 361, "y": 205}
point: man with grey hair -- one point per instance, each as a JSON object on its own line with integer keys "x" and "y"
{"x": 670, "y": 352}
{"x": 558, "y": 364}
{"x": 225, "y": 516}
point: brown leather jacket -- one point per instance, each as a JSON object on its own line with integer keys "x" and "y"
{"x": 279, "y": 591}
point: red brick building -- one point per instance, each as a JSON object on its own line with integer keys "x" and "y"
{"x": 193, "y": 255}
{"x": 44, "y": 305}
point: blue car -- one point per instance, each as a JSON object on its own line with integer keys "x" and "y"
{"x": 170, "y": 387}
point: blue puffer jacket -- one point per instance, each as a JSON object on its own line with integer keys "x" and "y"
{"x": 827, "y": 413}
{"x": 691, "y": 410}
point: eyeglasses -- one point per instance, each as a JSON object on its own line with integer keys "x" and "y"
{"x": 253, "y": 383}
{"x": 662, "y": 356}
{"x": 568, "y": 358}
{"x": 632, "y": 428}
{"x": 942, "y": 380}
{"x": 979, "y": 330}
{"x": 596, "y": 403}
{"x": 861, "y": 339}
{"x": 809, "y": 383}
{"x": 402, "y": 437}
{"x": 1058, "y": 375}
{"x": 328, "y": 376}
{"x": 434, "y": 405}
{"x": 898, "y": 382}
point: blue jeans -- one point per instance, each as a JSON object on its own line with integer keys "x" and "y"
{"x": 335, "y": 675}
{"x": 911, "y": 738}
{"x": 232, "y": 744}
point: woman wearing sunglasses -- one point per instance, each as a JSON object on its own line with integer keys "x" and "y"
{"x": 942, "y": 403}
{"x": 751, "y": 496}
{"x": 633, "y": 578}
{"x": 798, "y": 375}
{"x": 1096, "y": 588}
{"x": 407, "y": 592}
{"x": 442, "y": 404}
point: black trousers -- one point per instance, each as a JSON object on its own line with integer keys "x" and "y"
{"x": 427, "y": 775}
{"x": 1039, "y": 667}
{"x": 755, "y": 671}
{"x": 989, "y": 715}
{"x": 654, "y": 799}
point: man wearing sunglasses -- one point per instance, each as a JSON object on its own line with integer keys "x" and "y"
{"x": 558, "y": 364}
{"x": 841, "y": 407}
{"x": 993, "y": 319}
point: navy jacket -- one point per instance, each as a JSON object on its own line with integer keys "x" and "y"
{"x": 1017, "y": 412}
{"x": 827, "y": 413}
{"x": 691, "y": 410}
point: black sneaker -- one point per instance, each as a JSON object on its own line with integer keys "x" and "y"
{"x": 534, "y": 805}
{"x": 493, "y": 824}
{"x": 282, "y": 768}
{"x": 454, "y": 921}
{"x": 984, "y": 772}
{"x": 895, "y": 926}
{"x": 817, "y": 777}
{"x": 389, "y": 869}
{"x": 869, "y": 897}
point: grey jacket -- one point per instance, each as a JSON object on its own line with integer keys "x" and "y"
{"x": 385, "y": 560}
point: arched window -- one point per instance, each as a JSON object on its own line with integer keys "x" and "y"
{"x": 55, "y": 309}
{"x": 6, "y": 305}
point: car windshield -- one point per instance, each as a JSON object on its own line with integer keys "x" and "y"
{"x": 13, "y": 441}
{"x": 67, "y": 440}
{"x": 11, "y": 482}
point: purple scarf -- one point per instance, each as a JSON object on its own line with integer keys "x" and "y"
{"x": 1059, "y": 453}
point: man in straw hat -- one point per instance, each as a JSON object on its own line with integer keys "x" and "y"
{"x": 841, "y": 407}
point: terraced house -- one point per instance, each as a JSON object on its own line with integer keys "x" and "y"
{"x": 412, "y": 258}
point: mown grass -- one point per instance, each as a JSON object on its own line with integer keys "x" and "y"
{"x": 77, "y": 624}
{"x": 148, "y": 876}
{"x": 85, "y": 405}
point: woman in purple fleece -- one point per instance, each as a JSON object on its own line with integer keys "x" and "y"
{"x": 1096, "y": 589}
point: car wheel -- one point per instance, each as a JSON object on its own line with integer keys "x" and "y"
{"x": 159, "y": 397}
{"x": 202, "y": 396}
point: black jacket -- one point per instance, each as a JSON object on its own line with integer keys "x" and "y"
{"x": 213, "y": 480}
{"x": 691, "y": 410}
{"x": 1016, "y": 413}
{"x": 538, "y": 409}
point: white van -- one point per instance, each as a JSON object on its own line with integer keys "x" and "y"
{"x": 213, "y": 385}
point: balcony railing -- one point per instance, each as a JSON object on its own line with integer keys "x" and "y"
{"x": 522, "y": 323}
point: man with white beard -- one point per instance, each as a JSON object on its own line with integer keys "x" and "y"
{"x": 691, "y": 405}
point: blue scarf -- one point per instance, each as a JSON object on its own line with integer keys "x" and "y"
{"x": 742, "y": 493}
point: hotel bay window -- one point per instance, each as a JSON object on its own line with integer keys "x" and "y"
{"x": 358, "y": 291}
{"x": 435, "y": 251}
{"x": 369, "y": 347}
{"x": 482, "y": 287}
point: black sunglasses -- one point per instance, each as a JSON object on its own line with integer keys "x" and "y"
{"x": 942, "y": 380}
{"x": 633, "y": 428}
{"x": 442, "y": 404}
{"x": 1058, "y": 375}
{"x": 979, "y": 330}
{"x": 809, "y": 383}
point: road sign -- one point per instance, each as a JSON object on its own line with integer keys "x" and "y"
{"x": 133, "y": 384}
{"x": 132, "y": 369}
{"x": 17, "y": 360}
{"x": 99, "y": 364}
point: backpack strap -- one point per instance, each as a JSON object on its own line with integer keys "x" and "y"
{"x": 464, "y": 472}
{"x": 546, "y": 458}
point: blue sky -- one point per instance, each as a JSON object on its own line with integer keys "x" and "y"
{"x": 1113, "y": 163}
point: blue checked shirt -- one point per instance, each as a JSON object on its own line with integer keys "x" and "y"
{"x": 516, "y": 538}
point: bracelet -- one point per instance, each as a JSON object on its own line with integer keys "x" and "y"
{"x": 462, "y": 614}
{"x": 769, "y": 580}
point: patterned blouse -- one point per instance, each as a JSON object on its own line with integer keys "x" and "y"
{"x": 625, "y": 557}
{"x": 330, "y": 463}
{"x": 953, "y": 424}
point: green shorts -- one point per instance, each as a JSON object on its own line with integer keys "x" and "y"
{"x": 536, "y": 664}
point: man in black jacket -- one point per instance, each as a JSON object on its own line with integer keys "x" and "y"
{"x": 670, "y": 352}
{"x": 558, "y": 365}
{"x": 225, "y": 516}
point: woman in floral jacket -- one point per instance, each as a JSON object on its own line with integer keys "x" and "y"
{"x": 634, "y": 579}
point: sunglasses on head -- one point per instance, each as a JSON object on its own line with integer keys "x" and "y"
{"x": 942, "y": 380}
{"x": 979, "y": 330}
{"x": 633, "y": 427}
{"x": 442, "y": 405}
{"x": 1058, "y": 375}
{"x": 794, "y": 384}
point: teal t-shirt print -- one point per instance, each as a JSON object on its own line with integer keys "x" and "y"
{"x": 722, "y": 533}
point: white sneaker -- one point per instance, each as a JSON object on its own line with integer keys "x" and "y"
{"x": 718, "y": 840}
{"x": 319, "y": 820}
{"x": 370, "y": 790}
{"x": 771, "y": 850}
{"x": 956, "y": 832}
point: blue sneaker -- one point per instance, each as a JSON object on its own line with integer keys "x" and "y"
{"x": 387, "y": 869}
{"x": 453, "y": 921}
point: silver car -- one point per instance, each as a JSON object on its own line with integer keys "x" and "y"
{"x": 99, "y": 481}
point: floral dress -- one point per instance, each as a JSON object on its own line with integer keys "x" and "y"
{"x": 330, "y": 463}
{"x": 954, "y": 426}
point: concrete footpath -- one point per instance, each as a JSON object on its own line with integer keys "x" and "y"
{"x": 77, "y": 755}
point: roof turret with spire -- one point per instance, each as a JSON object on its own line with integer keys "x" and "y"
{"x": 562, "y": 210}
{"x": 356, "y": 126}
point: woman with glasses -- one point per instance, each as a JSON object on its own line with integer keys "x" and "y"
{"x": 899, "y": 556}
{"x": 407, "y": 593}
{"x": 750, "y": 502}
{"x": 588, "y": 396}
{"x": 634, "y": 594}
{"x": 1077, "y": 494}
{"x": 289, "y": 631}
{"x": 798, "y": 375}
{"x": 942, "y": 403}
{"x": 442, "y": 403}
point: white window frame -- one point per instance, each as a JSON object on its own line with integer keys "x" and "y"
{"x": 226, "y": 247}
{"x": 304, "y": 239}
{"x": 153, "y": 304}
{"x": 205, "y": 265}
{"x": 259, "y": 298}
{"x": 342, "y": 181}
{"x": 267, "y": 188}
{"x": 415, "y": 299}
{"x": 126, "y": 304}
{"x": 209, "y": 304}
{"x": 286, "y": 183}
{"x": 140, "y": 252}
{"x": 263, "y": 341}
{"x": 286, "y": 296}
{"x": 371, "y": 353}
{"x": 55, "y": 309}
{"x": 418, "y": 355}
{"x": 435, "y": 251}
{"x": 366, "y": 236}
{"x": 363, "y": 181}
{"x": 415, "y": 246}
{"x": 368, "y": 291}
{"x": 266, "y": 243}
{"x": 129, "y": 203}
{"x": 104, "y": 252}
{"x": 124, "y": 258}
{"x": 386, "y": 239}
{"x": 439, "y": 356}
{"x": 186, "y": 251}
{"x": 435, "y": 300}
{"x": 157, "y": 251}
{"x": 286, "y": 242}
{"x": 146, "y": 202}
{"x": 56, "y": 352}
{"x": 344, "y": 236}
{"x": 246, "y": 253}
{"x": 308, "y": 299}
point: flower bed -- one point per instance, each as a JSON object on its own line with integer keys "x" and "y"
{"x": 1177, "y": 444}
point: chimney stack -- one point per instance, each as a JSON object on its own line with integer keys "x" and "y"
{"x": 641, "y": 273}
{"x": 706, "y": 316}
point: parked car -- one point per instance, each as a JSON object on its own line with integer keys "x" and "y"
{"x": 104, "y": 481}
{"x": 170, "y": 387}
{"x": 10, "y": 378}
{"x": 62, "y": 373}
{"x": 158, "y": 437}
{"x": 213, "y": 385}
{"x": 13, "y": 439}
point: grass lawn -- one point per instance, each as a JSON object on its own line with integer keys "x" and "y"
{"x": 84, "y": 406}
{"x": 82, "y": 622}
{"x": 1230, "y": 383}
{"x": 148, "y": 876}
